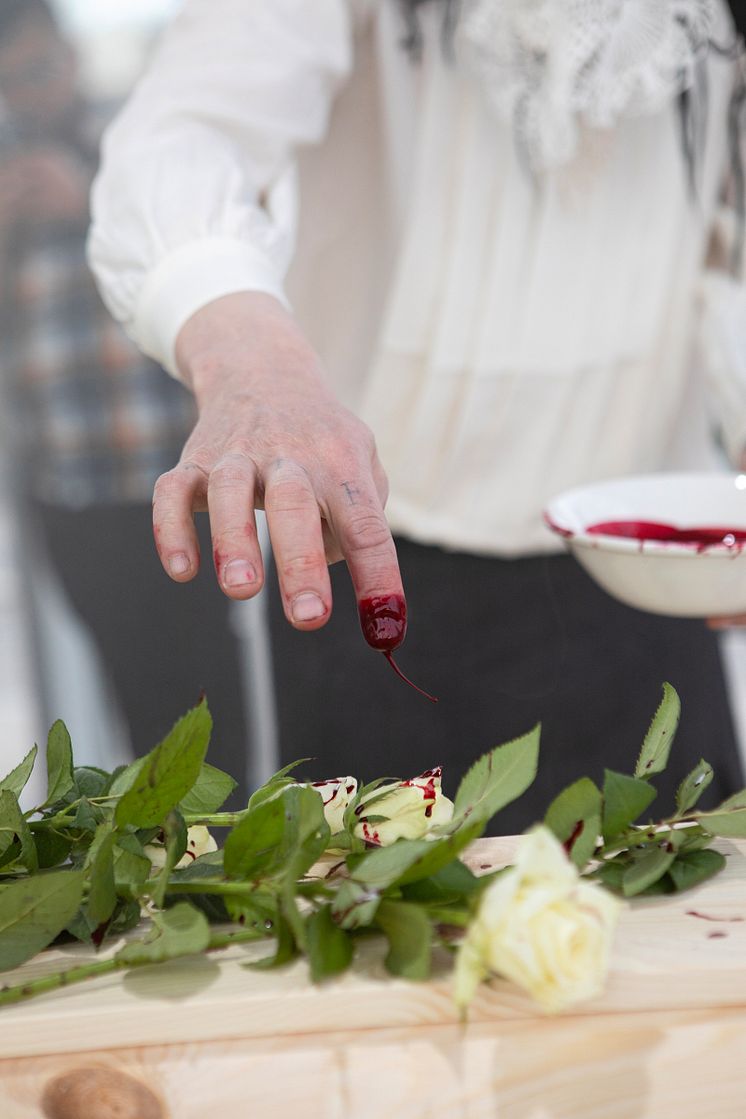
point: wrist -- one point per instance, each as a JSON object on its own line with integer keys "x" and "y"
{"x": 239, "y": 340}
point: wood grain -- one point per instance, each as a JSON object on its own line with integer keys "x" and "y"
{"x": 668, "y": 1037}
{"x": 686, "y": 1064}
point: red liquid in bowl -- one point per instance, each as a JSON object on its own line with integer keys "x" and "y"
{"x": 697, "y": 537}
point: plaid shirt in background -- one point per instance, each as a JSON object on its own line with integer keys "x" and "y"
{"x": 93, "y": 422}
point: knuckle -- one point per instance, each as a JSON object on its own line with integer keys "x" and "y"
{"x": 287, "y": 468}
{"x": 241, "y": 536}
{"x": 168, "y": 486}
{"x": 289, "y": 494}
{"x": 230, "y": 473}
{"x": 295, "y": 569}
{"x": 345, "y": 444}
{"x": 367, "y": 530}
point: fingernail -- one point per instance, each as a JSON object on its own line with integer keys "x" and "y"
{"x": 238, "y": 573}
{"x": 179, "y": 564}
{"x": 307, "y": 607}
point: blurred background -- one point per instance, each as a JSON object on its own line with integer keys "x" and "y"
{"x": 89, "y": 630}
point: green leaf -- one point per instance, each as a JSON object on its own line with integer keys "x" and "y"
{"x": 498, "y": 777}
{"x": 124, "y": 778}
{"x": 277, "y": 781}
{"x": 646, "y": 869}
{"x": 60, "y": 777}
{"x": 659, "y": 739}
{"x": 408, "y": 860}
{"x": 33, "y": 911}
{"x": 574, "y": 816}
{"x": 269, "y": 792}
{"x": 16, "y": 841}
{"x": 410, "y": 938}
{"x": 329, "y": 948}
{"x": 51, "y": 848}
{"x": 690, "y": 869}
{"x": 209, "y": 865}
{"x": 306, "y": 830}
{"x": 354, "y": 905}
{"x": 694, "y": 839}
{"x": 380, "y": 868}
{"x": 625, "y": 798}
{"x": 168, "y": 772}
{"x": 255, "y": 911}
{"x": 102, "y": 895}
{"x": 209, "y": 792}
{"x": 279, "y": 837}
{"x": 90, "y": 781}
{"x": 131, "y": 871}
{"x": 285, "y": 948}
{"x": 87, "y": 816}
{"x": 179, "y": 931}
{"x": 692, "y": 787}
{"x": 126, "y": 916}
{"x": 611, "y": 873}
{"x": 80, "y": 927}
{"x": 16, "y": 780}
{"x": 286, "y": 769}
{"x": 454, "y": 882}
{"x": 252, "y": 848}
{"x": 728, "y": 819}
{"x": 175, "y": 842}
{"x": 350, "y": 816}
{"x": 305, "y": 838}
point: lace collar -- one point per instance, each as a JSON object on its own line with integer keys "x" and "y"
{"x": 548, "y": 67}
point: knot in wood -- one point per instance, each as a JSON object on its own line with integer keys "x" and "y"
{"x": 99, "y": 1093}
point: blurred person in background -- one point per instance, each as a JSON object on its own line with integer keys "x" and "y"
{"x": 498, "y": 216}
{"x": 92, "y": 422}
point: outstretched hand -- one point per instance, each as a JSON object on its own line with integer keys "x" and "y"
{"x": 271, "y": 435}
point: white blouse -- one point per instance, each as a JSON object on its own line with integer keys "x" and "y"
{"x": 507, "y": 332}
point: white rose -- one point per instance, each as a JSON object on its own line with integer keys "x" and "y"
{"x": 542, "y": 926}
{"x": 410, "y": 809}
{"x": 337, "y": 793}
{"x": 199, "y": 842}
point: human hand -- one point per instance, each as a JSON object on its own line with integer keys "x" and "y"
{"x": 271, "y": 435}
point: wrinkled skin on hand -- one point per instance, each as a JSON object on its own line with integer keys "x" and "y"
{"x": 271, "y": 435}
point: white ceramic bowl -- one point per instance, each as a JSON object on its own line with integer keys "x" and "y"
{"x": 686, "y": 579}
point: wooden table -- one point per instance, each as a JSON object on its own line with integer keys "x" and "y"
{"x": 208, "y": 1038}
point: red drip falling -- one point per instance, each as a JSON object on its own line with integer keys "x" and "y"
{"x": 398, "y": 671}
{"x": 383, "y": 620}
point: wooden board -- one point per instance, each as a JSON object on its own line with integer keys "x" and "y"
{"x": 686, "y": 953}
{"x": 682, "y": 1064}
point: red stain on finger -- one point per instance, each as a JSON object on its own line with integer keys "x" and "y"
{"x": 383, "y": 619}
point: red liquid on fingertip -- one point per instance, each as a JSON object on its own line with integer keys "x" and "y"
{"x": 698, "y": 537}
{"x": 383, "y": 620}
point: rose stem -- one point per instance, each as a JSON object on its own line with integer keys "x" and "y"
{"x": 20, "y": 991}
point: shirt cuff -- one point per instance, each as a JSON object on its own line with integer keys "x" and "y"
{"x": 189, "y": 278}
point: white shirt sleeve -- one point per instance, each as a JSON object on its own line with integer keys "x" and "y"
{"x": 195, "y": 197}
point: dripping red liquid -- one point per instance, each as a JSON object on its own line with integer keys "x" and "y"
{"x": 700, "y": 537}
{"x": 400, "y": 674}
{"x": 383, "y": 620}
